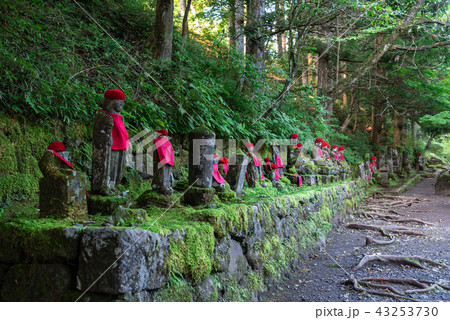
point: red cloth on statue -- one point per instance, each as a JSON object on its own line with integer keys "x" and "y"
{"x": 335, "y": 155}
{"x": 165, "y": 150}
{"x": 255, "y": 160}
{"x": 262, "y": 176}
{"x": 246, "y": 176}
{"x": 277, "y": 175}
{"x": 329, "y": 158}
{"x": 216, "y": 174}
{"x": 300, "y": 182}
{"x": 225, "y": 167}
{"x": 375, "y": 165}
{"x": 279, "y": 160}
{"x": 320, "y": 151}
{"x": 342, "y": 157}
{"x": 371, "y": 168}
{"x": 119, "y": 132}
{"x": 62, "y": 158}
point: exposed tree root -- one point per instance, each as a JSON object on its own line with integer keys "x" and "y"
{"x": 357, "y": 287}
{"x": 399, "y": 259}
{"x": 385, "y": 229}
{"x": 370, "y": 240}
{"x": 413, "y": 220}
{"x": 423, "y": 285}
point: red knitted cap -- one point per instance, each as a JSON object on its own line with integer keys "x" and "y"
{"x": 373, "y": 158}
{"x": 249, "y": 144}
{"x": 163, "y": 132}
{"x": 266, "y": 159}
{"x": 299, "y": 145}
{"x": 294, "y": 135}
{"x": 325, "y": 144}
{"x": 341, "y": 148}
{"x": 274, "y": 166}
{"x": 223, "y": 160}
{"x": 420, "y": 154}
{"x": 215, "y": 155}
{"x": 56, "y": 146}
{"x": 319, "y": 140}
{"x": 333, "y": 146}
{"x": 114, "y": 94}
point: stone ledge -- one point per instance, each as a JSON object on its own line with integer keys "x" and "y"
{"x": 220, "y": 254}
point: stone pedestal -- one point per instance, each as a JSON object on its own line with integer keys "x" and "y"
{"x": 390, "y": 166}
{"x": 309, "y": 180}
{"x": 236, "y": 172}
{"x": 201, "y": 155}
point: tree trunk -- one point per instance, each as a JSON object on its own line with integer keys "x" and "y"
{"x": 281, "y": 37}
{"x": 185, "y": 28}
{"x": 356, "y": 120}
{"x": 377, "y": 117}
{"x": 239, "y": 26}
{"x": 255, "y": 41}
{"x": 349, "y": 115}
{"x": 429, "y": 141}
{"x": 232, "y": 24}
{"x": 396, "y": 133}
{"x": 414, "y": 133}
{"x": 324, "y": 77}
{"x": 163, "y": 30}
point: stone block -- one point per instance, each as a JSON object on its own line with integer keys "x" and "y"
{"x": 309, "y": 180}
{"x": 136, "y": 259}
{"x": 37, "y": 282}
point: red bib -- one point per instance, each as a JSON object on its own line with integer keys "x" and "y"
{"x": 255, "y": 160}
{"x": 279, "y": 160}
{"x": 216, "y": 174}
{"x": 225, "y": 167}
{"x": 119, "y": 133}
{"x": 277, "y": 175}
{"x": 165, "y": 150}
{"x": 299, "y": 180}
{"x": 320, "y": 151}
{"x": 342, "y": 157}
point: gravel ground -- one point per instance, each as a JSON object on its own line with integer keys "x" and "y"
{"x": 320, "y": 278}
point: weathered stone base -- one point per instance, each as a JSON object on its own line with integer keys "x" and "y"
{"x": 105, "y": 205}
{"x": 150, "y": 197}
{"x": 199, "y": 196}
{"x": 220, "y": 254}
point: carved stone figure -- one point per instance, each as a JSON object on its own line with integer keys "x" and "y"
{"x": 236, "y": 173}
{"x": 110, "y": 142}
{"x": 276, "y": 158}
{"x": 163, "y": 159}
{"x": 62, "y": 190}
{"x": 201, "y": 154}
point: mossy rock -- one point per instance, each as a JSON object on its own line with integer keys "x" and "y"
{"x": 151, "y": 198}
{"x": 199, "y": 196}
{"x": 105, "y": 205}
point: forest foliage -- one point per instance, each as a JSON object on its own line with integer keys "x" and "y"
{"x": 58, "y": 58}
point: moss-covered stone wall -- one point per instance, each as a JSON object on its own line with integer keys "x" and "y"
{"x": 214, "y": 254}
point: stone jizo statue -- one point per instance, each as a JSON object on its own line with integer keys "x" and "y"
{"x": 294, "y": 139}
{"x": 62, "y": 190}
{"x": 110, "y": 142}
{"x": 218, "y": 181}
{"x": 163, "y": 159}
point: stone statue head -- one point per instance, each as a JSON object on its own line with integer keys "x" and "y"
{"x": 275, "y": 149}
{"x": 114, "y": 101}
{"x": 113, "y": 106}
{"x": 249, "y": 147}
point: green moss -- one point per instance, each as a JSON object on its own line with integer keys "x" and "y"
{"x": 191, "y": 255}
{"x": 177, "y": 290}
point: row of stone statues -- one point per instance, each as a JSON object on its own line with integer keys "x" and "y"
{"x": 63, "y": 192}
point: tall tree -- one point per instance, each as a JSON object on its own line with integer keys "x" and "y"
{"x": 163, "y": 30}
{"x": 255, "y": 39}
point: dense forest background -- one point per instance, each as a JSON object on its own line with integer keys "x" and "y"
{"x": 363, "y": 74}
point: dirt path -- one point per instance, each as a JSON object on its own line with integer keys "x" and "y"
{"x": 320, "y": 278}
